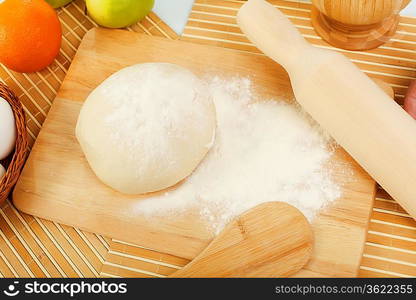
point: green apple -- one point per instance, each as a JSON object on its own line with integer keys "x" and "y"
{"x": 58, "y": 3}
{"x": 118, "y": 13}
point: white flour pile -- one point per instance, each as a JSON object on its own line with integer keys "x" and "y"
{"x": 264, "y": 151}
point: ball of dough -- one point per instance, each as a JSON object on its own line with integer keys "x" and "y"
{"x": 147, "y": 127}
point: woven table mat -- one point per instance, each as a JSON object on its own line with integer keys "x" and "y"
{"x": 33, "y": 247}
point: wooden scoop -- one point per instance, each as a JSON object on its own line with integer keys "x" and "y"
{"x": 273, "y": 239}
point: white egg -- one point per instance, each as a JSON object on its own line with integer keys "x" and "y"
{"x": 2, "y": 171}
{"x": 7, "y": 129}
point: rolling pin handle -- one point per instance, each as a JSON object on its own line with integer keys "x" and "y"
{"x": 279, "y": 40}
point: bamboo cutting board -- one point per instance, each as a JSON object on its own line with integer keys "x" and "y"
{"x": 57, "y": 183}
{"x": 272, "y": 238}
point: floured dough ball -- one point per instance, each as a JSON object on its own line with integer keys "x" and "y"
{"x": 147, "y": 127}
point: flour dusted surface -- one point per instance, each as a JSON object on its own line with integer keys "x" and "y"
{"x": 263, "y": 151}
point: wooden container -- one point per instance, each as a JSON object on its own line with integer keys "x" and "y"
{"x": 356, "y": 24}
{"x": 15, "y": 161}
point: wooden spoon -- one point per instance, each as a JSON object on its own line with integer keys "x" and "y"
{"x": 273, "y": 239}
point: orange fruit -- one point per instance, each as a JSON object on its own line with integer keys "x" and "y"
{"x": 30, "y": 34}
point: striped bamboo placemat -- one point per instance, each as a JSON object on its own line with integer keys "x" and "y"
{"x": 34, "y": 247}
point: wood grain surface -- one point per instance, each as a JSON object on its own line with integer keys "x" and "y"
{"x": 58, "y": 184}
{"x": 273, "y": 239}
{"x": 356, "y": 25}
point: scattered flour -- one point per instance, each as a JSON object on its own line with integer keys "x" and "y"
{"x": 263, "y": 151}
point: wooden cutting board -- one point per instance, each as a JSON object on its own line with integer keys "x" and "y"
{"x": 57, "y": 183}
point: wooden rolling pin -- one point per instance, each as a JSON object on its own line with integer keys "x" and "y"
{"x": 273, "y": 239}
{"x": 374, "y": 130}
